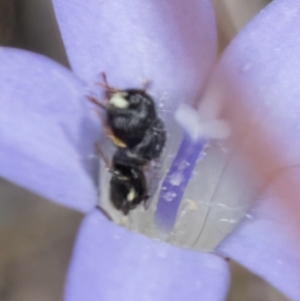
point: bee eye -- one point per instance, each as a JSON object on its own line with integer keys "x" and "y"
{"x": 118, "y": 100}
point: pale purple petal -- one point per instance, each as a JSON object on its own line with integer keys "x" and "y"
{"x": 46, "y": 129}
{"x": 171, "y": 43}
{"x": 264, "y": 243}
{"x": 110, "y": 263}
{"x": 259, "y": 75}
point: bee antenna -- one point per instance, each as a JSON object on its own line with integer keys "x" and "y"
{"x": 104, "y": 212}
{"x": 145, "y": 85}
{"x": 96, "y": 102}
{"x": 102, "y": 156}
{"x": 105, "y": 84}
{"x": 104, "y": 78}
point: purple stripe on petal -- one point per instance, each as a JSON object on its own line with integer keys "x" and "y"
{"x": 175, "y": 182}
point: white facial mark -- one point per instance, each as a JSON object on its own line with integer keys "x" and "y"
{"x": 118, "y": 100}
{"x": 131, "y": 195}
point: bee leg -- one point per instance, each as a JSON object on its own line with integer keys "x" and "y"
{"x": 104, "y": 212}
{"x": 107, "y": 131}
{"x": 100, "y": 153}
{"x": 98, "y": 113}
{"x": 106, "y": 86}
{"x": 146, "y": 201}
{"x": 97, "y": 102}
{"x": 106, "y": 128}
{"x": 104, "y": 78}
{"x": 115, "y": 140}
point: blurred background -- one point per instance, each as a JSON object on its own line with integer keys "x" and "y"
{"x": 37, "y": 236}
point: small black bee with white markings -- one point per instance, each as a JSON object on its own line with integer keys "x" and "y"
{"x": 139, "y": 135}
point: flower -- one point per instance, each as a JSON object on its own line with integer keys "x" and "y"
{"x": 47, "y": 134}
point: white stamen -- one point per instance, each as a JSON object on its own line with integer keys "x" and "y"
{"x": 199, "y": 125}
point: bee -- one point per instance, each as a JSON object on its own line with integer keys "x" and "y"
{"x": 139, "y": 134}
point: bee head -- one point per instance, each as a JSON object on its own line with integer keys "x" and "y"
{"x": 129, "y": 114}
{"x": 133, "y": 100}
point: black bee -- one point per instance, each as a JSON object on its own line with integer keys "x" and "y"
{"x": 139, "y": 135}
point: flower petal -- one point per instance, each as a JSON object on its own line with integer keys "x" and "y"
{"x": 259, "y": 75}
{"x": 110, "y": 263}
{"x": 46, "y": 129}
{"x": 264, "y": 243}
{"x": 172, "y": 44}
